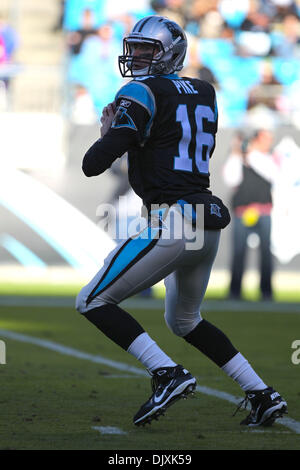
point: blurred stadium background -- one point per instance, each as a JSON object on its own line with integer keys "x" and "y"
{"x": 58, "y": 68}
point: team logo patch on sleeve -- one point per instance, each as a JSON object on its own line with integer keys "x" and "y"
{"x": 122, "y": 119}
{"x": 125, "y": 103}
{"x": 215, "y": 210}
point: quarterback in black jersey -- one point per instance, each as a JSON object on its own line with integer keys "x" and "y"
{"x": 167, "y": 124}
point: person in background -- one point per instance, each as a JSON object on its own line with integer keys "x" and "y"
{"x": 9, "y": 42}
{"x": 88, "y": 27}
{"x": 251, "y": 170}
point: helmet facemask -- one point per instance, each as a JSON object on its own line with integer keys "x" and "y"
{"x": 132, "y": 65}
{"x": 166, "y": 54}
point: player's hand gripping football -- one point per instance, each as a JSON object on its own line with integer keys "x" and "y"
{"x": 106, "y": 119}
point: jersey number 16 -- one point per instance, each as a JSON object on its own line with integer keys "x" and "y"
{"x": 204, "y": 140}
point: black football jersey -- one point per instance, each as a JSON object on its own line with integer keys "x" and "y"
{"x": 167, "y": 124}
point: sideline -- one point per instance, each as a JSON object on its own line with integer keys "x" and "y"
{"x": 221, "y": 305}
{"x": 287, "y": 422}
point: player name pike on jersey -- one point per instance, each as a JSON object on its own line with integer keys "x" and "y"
{"x": 185, "y": 86}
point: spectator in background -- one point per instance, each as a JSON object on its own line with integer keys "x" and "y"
{"x": 73, "y": 10}
{"x": 8, "y": 45}
{"x": 297, "y": 7}
{"x": 196, "y": 14}
{"x": 283, "y": 8}
{"x": 95, "y": 67}
{"x": 286, "y": 37}
{"x": 3, "y": 57}
{"x": 264, "y": 98}
{"x": 256, "y": 20}
{"x": 175, "y": 10}
{"x": 87, "y": 28}
{"x": 233, "y": 11}
{"x": 82, "y": 112}
{"x": 60, "y": 19}
{"x": 254, "y": 32}
{"x": 206, "y": 74}
{"x": 212, "y": 25}
{"x": 250, "y": 171}
{"x": 195, "y": 68}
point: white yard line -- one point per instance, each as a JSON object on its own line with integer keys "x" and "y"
{"x": 287, "y": 422}
{"x": 70, "y": 351}
{"x": 109, "y": 430}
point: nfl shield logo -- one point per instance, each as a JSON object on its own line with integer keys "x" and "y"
{"x": 215, "y": 210}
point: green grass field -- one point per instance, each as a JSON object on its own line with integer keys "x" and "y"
{"x": 44, "y": 288}
{"x": 55, "y": 401}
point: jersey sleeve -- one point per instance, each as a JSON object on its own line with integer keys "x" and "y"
{"x": 130, "y": 128}
{"x": 213, "y": 103}
{"x": 136, "y": 109}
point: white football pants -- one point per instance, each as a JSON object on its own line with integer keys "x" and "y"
{"x": 169, "y": 249}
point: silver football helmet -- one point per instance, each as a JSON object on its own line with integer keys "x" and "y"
{"x": 164, "y": 51}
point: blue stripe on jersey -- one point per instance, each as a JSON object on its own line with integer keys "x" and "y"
{"x": 126, "y": 255}
{"x": 216, "y": 110}
{"x": 140, "y": 93}
{"x": 171, "y": 76}
{"x": 187, "y": 210}
{"x": 168, "y": 75}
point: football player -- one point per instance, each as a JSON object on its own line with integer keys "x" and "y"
{"x": 167, "y": 124}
